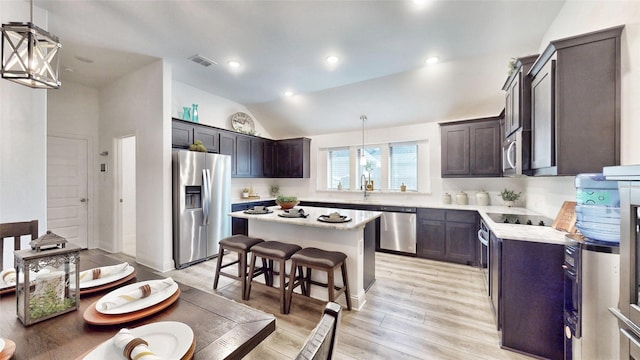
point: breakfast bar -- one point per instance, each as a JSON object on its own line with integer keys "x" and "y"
{"x": 356, "y": 237}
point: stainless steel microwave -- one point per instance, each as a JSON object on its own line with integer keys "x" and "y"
{"x": 516, "y": 154}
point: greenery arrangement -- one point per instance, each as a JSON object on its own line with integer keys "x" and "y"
{"x": 286, "y": 199}
{"x": 48, "y": 304}
{"x": 274, "y": 190}
{"x": 198, "y": 146}
{"x": 368, "y": 167}
{"x": 509, "y": 195}
{"x": 245, "y": 190}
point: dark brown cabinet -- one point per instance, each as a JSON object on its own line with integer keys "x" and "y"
{"x": 530, "y": 296}
{"x": 181, "y": 134}
{"x": 251, "y": 156}
{"x": 575, "y": 104}
{"x": 471, "y": 148}
{"x": 293, "y": 157}
{"x": 241, "y": 226}
{"x": 209, "y": 136}
{"x": 517, "y": 110}
{"x": 448, "y": 235}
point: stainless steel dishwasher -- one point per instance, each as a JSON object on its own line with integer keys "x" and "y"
{"x": 398, "y": 229}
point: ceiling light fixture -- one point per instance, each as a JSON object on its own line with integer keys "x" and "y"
{"x": 363, "y": 159}
{"x": 332, "y": 59}
{"x": 30, "y": 55}
{"x": 432, "y": 60}
{"x": 234, "y": 64}
{"x": 288, "y": 93}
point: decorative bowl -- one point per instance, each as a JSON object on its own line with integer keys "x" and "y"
{"x": 287, "y": 205}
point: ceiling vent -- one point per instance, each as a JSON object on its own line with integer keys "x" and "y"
{"x": 199, "y": 59}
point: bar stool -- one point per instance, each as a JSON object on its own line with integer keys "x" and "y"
{"x": 241, "y": 244}
{"x": 328, "y": 261}
{"x": 274, "y": 251}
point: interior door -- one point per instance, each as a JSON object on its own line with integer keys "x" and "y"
{"x": 67, "y": 184}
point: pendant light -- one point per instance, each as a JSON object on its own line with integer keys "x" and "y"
{"x": 363, "y": 159}
{"x": 30, "y": 55}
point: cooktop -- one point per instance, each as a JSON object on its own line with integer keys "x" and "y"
{"x": 520, "y": 219}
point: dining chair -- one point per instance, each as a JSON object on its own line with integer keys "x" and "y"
{"x": 320, "y": 344}
{"x": 16, "y": 230}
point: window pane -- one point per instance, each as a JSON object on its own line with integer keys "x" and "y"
{"x": 338, "y": 168}
{"x": 372, "y": 170}
{"x": 403, "y": 166}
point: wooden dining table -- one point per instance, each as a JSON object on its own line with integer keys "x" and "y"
{"x": 223, "y": 329}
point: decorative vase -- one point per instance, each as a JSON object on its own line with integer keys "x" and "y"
{"x": 186, "y": 113}
{"x": 194, "y": 113}
{"x": 508, "y": 203}
{"x": 446, "y": 198}
{"x": 245, "y": 194}
{"x": 339, "y": 186}
{"x": 287, "y": 205}
{"x": 370, "y": 185}
{"x": 403, "y": 187}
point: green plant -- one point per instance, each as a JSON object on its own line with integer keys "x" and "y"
{"x": 368, "y": 167}
{"x": 198, "y": 146}
{"x": 286, "y": 199}
{"x": 509, "y": 195}
{"x": 245, "y": 190}
{"x": 274, "y": 189}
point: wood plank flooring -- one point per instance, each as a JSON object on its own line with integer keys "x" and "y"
{"x": 417, "y": 309}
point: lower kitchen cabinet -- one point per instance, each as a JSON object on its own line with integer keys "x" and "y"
{"x": 241, "y": 226}
{"x": 448, "y": 235}
{"x": 531, "y": 299}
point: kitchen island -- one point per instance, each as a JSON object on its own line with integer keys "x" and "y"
{"x": 356, "y": 238}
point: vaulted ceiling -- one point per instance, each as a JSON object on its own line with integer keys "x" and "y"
{"x": 282, "y": 45}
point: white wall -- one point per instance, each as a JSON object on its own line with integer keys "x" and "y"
{"x": 138, "y": 104}
{"x": 23, "y": 143}
{"x": 213, "y": 110}
{"x": 73, "y": 111}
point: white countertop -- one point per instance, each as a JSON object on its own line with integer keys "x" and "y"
{"x": 359, "y": 218}
{"x": 544, "y": 234}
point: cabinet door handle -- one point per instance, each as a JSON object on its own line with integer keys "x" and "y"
{"x": 509, "y": 159}
{"x": 84, "y": 200}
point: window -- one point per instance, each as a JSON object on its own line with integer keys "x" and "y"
{"x": 403, "y": 166}
{"x": 338, "y": 168}
{"x": 372, "y": 170}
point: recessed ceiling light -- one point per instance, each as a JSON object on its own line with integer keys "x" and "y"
{"x": 234, "y": 64}
{"x": 432, "y": 60}
{"x": 332, "y": 59}
{"x": 288, "y": 93}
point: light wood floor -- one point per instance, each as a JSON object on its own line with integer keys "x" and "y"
{"x": 417, "y": 309}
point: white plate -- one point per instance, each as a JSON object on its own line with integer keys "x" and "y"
{"x": 1, "y": 344}
{"x": 32, "y": 277}
{"x": 167, "y": 340}
{"x": 105, "y": 280}
{"x": 136, "y": 305}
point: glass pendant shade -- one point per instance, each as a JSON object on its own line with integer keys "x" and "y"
{"x": 30, "y": 55}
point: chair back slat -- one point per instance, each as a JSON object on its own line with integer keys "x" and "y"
{"x": 321, "y": 343}
{"x": 16, "y": 230}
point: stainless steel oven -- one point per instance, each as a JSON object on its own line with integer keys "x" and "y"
{"x": 516, "y": 156}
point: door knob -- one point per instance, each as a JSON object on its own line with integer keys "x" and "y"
{"x": 83, "y": 200}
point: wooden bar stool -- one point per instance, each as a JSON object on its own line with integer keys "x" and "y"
{"x": 317, "y": 259}
{"x": 240, "y": 244}
{"x": 280, "y": 253}
{"x": 16, "y": 230}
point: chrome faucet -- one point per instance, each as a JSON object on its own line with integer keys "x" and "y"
{"x": 363, "y": 185}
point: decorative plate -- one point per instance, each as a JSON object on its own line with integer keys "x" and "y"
{"x": 135, "y": 305}
{"x": 242, "y": 122}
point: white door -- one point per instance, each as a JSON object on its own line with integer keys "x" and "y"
{"x": 127, "y": 170}
{"x": 67, "y": 179}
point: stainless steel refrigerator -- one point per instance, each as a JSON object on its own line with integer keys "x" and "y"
{"x": 201, "y": 204}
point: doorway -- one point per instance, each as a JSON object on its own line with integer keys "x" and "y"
{"x": 126, "y": 174}
{"x": 68, "y": 188}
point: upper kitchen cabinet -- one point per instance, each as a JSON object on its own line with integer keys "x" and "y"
{"x": 209, "y": 137}
{"x": 228, "y": 147}
{"x": 293, "y": 158}
{"x": 471, "y": 148}
{"x": 269, "y": 159}
{"x": 575, "y": 104}
{"x": 181, "y": 134}
{"x": 517, "y": 110}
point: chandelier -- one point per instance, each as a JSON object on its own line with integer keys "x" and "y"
{"x": 30, "y": 55}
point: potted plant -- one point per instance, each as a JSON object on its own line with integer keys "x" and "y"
{"x": 274, "y": 190}
{"x": 245, "y": 193}
{"x": 509, "y": 197}
{"x": 287, "y": 202}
